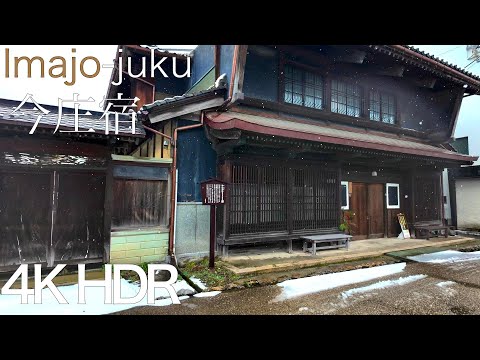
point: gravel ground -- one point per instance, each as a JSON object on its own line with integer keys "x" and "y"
{"x": 450, "y": 289}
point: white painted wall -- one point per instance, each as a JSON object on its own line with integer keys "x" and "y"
{"x": 468, "y": 203}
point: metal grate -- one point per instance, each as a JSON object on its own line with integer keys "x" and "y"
{"x": 260, "y": 201}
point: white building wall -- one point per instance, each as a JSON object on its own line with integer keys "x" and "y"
{"x": 468, "y": 203}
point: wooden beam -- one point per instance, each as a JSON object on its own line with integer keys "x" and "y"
{"x": 394, "y": 71}
{"x": 227, "y": 147}
{"x": 239, "y": 73}
{"x": 216, "y": 60}
{"x": 353, "y": 56}
{"x": 226, "y": 134}
{"x": 108, "y": 208}
{"x": 307, "y": 54}
{"x": 427, "y": 82}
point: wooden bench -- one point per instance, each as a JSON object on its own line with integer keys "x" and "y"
{"x": 427, "y": 228}
{"x": 335, "y": 241}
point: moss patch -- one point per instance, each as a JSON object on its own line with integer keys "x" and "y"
{"x": 220, "y": 276}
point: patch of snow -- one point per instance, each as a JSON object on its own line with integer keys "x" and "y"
{"x": 94, "y": 297}
{"x": 382, "y": 285}
{"x": 179, "y": 285}
{"x": 443, "y": 284}
{"x": 297, "y": 287}
{"x": 183, "y": 297}
{"x": 303, "y": 309}
{"x": 207, "y": 294}
{"x": 447, "y": 256}
{"x": 198, "y": 282}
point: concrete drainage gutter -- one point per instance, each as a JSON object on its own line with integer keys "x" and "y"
{"x": 475, "y": 234}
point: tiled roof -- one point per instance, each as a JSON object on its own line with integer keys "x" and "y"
{"x": 412, "y": 55}
{"x": 177, "y": 51}
{"x": 178, "y": 99}
{"x": 27, "y": 115}
{"x": 278, "y": 126}
{"x": 441, "y": 61}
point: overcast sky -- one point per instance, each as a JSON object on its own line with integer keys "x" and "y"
{"x": 48, "y": 90}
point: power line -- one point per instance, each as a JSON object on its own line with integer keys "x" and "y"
{"x": 446, "y": 52}
{"x": 473, "y": 61}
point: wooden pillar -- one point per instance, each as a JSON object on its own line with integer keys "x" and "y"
{"x": 453, "y": 197}
{"x": 108, "y": 207}
{"x": 339, "y": 194}
{"x": 412, "y": 197}
{"x": 290, "y": 183}
{"x": 442, "y": 203}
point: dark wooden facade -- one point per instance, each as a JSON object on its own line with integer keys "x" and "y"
{"x": 56, "y": 188}
{"x": 277, "y": 193}
{"x": 53, "y": 201}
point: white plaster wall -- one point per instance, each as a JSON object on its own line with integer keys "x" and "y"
{"x": 468, "y": 203}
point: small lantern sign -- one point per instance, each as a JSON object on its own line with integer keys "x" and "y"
{"x": 213, "y": 194}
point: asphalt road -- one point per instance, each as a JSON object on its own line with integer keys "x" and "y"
{"x": 452, "y": 288}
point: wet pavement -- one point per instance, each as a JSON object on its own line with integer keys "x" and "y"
{"x": 449, "y": 288}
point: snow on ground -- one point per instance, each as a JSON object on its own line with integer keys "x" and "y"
{"x": 94, "y": 298}
{"x": 207, "y": 294}
{"x": 297, "y": 287}
{"x": 382, "y": 285}
{"x": 198, "y": 282}
{"x": 443, "y": 284}
{"x": 447, "y": 256}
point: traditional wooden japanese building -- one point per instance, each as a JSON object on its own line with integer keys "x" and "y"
{"x": 306, "y": 132}
{"x": 56, "y": 189}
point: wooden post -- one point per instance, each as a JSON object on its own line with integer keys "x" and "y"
{"x": 213, "y": 232}
{"x": 213, "y": 194}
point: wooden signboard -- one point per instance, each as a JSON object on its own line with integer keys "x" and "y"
{"x": 213, "y": 194}
{"x": 403, "y": 225}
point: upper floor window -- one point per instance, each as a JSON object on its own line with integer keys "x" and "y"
{"x": 346, "y": 98}
{"x": 303, "y": 88}
{"x": 382, "y": 107}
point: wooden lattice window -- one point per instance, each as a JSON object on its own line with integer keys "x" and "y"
{"x": 282, "y": 199}
{"x": 346, "y": 98}
{"x": 382, "y": 107}
{"x": 303, "y": 87}
{"x": 139, "y": 203}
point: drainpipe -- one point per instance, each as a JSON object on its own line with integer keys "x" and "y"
{"x": 227, "y": 103}
{"x": 171, "y": 248}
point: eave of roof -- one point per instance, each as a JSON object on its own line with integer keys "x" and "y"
{"x": 167, "y": 104}
{"x": 311, "y": 131}
{"x": 431, "y": 63}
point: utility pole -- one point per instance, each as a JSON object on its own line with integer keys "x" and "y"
{"x": 473, "y": 52}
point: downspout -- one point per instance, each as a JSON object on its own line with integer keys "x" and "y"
{"x": 171, "y": 248}
{"x": 229, "y": 101}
